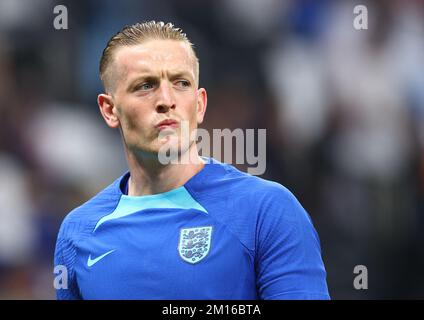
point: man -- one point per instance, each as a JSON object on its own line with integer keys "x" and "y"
{"x": 196, "y": 229}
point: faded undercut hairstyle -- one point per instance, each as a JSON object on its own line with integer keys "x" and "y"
{"x": 137, "y": 34}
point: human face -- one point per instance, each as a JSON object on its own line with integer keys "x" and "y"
{"x": 154, "y": 81}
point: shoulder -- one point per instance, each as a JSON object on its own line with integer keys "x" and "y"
{"x": 81, "y": 219}
{"x": 257, "y": 211}
{"x": 242, "y": 200}
{"x": 266, "y": 196}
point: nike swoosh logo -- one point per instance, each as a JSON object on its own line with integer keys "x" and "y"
{"x": 91, "y": 262}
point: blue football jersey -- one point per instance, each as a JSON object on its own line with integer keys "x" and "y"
{"x": 222, "y": 235}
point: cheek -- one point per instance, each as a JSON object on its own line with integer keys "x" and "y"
{"x": 128, "y": 121}
{"x": 192, "y": 116}
{"x": 132, "y": 115}
{"x": 192, "y": 109}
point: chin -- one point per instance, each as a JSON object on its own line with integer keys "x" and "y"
{"x": 171, "y": 151}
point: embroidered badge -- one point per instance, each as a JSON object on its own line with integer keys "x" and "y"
{"x": 194, "y": 243}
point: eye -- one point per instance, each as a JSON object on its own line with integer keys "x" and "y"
{"x": 183, "y": 83}
{"x": 144, "y": 86}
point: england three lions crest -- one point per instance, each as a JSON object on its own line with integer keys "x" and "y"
{"x": 194, "y": 243}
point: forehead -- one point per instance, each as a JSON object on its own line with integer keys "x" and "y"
{"x": 154, "y": 56}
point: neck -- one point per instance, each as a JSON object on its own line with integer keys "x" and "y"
{"x": 148, "y": 176}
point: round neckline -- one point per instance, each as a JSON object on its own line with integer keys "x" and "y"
{"x": 198, "y": 176}
{"x": 156, "y": 195}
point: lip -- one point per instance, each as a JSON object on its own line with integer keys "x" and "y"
{"x": 167, "y": 123}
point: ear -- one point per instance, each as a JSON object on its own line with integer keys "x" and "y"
{"x": 108, "y": 110}
{"x": 202, "y": 100}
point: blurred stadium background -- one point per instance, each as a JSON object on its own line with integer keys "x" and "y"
{"x": 344, "y": 112}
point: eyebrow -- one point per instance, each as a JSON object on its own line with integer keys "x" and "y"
{"x": 148, "y": 76}
{"x": 139, "y": 79}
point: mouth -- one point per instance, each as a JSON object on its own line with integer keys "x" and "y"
{"x": 166, "y": 124}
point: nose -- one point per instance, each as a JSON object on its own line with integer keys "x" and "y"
{"x": 166, "y": 99}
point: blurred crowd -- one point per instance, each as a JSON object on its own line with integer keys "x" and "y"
{"x": 343, "y": 109}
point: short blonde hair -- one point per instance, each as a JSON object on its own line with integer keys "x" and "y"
{"x": 138, "y": 33}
